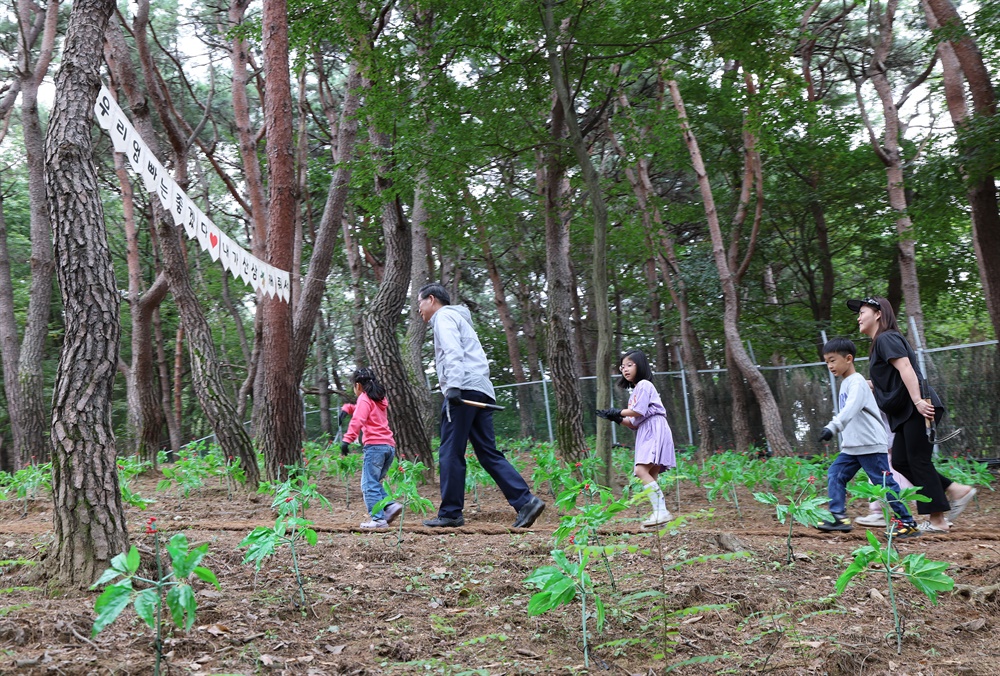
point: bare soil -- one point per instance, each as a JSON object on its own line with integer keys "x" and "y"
{"x": 453, "y": 601}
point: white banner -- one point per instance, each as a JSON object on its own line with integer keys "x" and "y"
{"x": 234, "y": 258}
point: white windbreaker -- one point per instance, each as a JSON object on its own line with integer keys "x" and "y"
{"x": 458, "y": 354}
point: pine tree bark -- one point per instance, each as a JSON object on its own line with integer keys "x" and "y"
{"x": 382, "y": 319}
{"x": 559, "y": 347}
{"x": 88, "y": 518}
{"x": 278, "y": 405}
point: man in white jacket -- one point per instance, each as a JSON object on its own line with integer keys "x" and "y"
{"x": 464, "y": 373}
{"x": 864, "y": 444}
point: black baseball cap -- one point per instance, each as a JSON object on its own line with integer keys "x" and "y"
{"x": 855, "y": 305}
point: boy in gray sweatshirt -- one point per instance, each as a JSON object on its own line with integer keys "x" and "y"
{"x": 864, "y": 444}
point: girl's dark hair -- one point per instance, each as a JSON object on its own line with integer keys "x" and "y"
{"x": 369, "y": 383}
{"x": 887, "y": 320}
{"x": 642, "y": 370}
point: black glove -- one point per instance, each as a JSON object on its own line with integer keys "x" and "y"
{"x": 826, "y": 434}
{"x": 454, "y": 396}
{"x": 341, "y": 414}
{"x": 345, "y": 448}
{"x": 612, "y": 414}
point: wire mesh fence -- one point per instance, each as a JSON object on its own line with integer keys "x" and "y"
{"x": 966, "y": 376}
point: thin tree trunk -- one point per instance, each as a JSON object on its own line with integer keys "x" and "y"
{"x": 889, "y": 152}
{"x": 658, "y": 239}
{"x": 569, "y": 421}
{"x": 88, "y": 518}
{"x": 503, "y": 309}
{"x": 765, "y": 399}
{"x": 172, "y": 421}
{"x": 383, "y": 314}
{"x": 599, "y": 309}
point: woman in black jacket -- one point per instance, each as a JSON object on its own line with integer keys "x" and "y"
{"x": 895, "y": 379}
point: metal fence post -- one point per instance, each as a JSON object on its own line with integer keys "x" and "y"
{"x": 545, "y": 396}
{"x": 687, "y": 405}
{"x": 833, "y": 381}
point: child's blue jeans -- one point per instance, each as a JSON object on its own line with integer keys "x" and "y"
{"x": 378, "y": 460}
{"x": 876, "y": 466}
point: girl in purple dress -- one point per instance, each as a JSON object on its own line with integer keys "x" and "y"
{"x": 654, "y": 443}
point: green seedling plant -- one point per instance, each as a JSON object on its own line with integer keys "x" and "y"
{"x": 563, "y": 583}
{"x": 805, "y": 508}
{"x": 475, "y": 476}
{"x": 966, "y": 471}
{"x": 291, "y": 499}
{"x": 129, "y": 467}
{"x": 345, "y": 467}
{"x": 26, "y": 482}
{"x": 172, "y": 588}
{"x": 926, "y": 575}
{"x": 550, "y": 471}
{"x": 402, "y": 486}
{"x": 187, "y": 474}
{"x": 724, "y": 480}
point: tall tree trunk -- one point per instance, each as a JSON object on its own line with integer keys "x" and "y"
{"x": 655, "y": 325}
{"x": 278, "y": 405}
{"x": 602, "y": 368}
{"x": 961, "y": 56}
{"x": 34, "y": 408}
{"x": 765, "y": 399}
{"x": 382, "y": 319}
{"x": 10, "y": 348}
{"x": 173, "y": 422}
{"x": 569, "y": 421}
{"x": 322, "y": 380}
{"x": 88, "y": 518}
{"x": 420, "y": 266}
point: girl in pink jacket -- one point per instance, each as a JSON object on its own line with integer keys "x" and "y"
{"x": 369, "y": 418}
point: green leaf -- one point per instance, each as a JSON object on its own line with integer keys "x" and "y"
{"x": 145, "y": 606}
{"x": 180, "y": 600}
{"x": 205, "y": 575}
{"x": 927, "y": 576}
{"x": 109, "y": 606}
{"x": 599, "y": 604}
{"x": 310, "y": 535}
{"x": 132, "y": 560}
{"x": 178, "y": 550}
{"x": 106, "y": 576}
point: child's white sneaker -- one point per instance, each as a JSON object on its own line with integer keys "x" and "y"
{"x": 873, "y": 520}
{"x": 658, "y": 518}
{"x": 374, "y": 523}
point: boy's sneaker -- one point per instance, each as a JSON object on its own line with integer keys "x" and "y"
{"x": 875, "y": 519}
{"x": 839, "y": 523}
{"x": 374, "y": 523}
{"x": 902, "y": 530}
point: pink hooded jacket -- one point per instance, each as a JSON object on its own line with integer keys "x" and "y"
{"x": 369, "y": 416}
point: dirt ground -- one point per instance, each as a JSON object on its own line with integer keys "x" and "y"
{"x": 454, "y": 602}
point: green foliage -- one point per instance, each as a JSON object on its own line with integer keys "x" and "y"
{"x": 180, "y": 597}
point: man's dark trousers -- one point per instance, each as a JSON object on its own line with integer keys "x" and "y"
{"x": 469, "y": 423}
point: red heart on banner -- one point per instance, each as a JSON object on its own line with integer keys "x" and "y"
{"x": 213, "y": 239}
